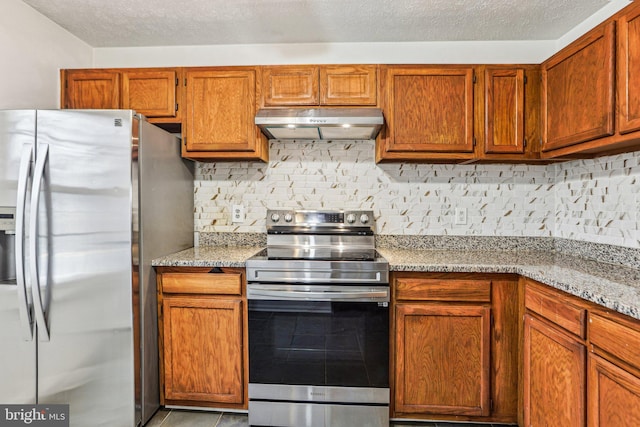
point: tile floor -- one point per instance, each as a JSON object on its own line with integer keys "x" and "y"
{"x": 182, "y": 418}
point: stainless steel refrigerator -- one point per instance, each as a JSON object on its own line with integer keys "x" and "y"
{"x": 87, "y": 199}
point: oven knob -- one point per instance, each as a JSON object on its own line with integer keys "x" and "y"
{"x": 351, "y": 218}
{"x": 288, "y": 217}
{"x": 364, "y": 218}
{"x": 275, "y": 217}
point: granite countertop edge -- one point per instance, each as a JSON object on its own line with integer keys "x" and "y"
{"x": 612, "y": 286}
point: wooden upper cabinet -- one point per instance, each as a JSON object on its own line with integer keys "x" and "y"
{"x": 349, "y": 85}
{"x": 432, "y": 374}
{"x": 151, "y": 93}
{"x": 504, "y": 115}
{"x": 628, "y": 72}
{"x": 427, "y": 110}
{"x": 319, "y": 85}
{"x": 220, "y": 112}
{"x": 290, "y": 85}
{"x": 578, "y": 90}
{"x": 91, "y": 89}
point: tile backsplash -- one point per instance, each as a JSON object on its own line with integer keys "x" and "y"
{"x": 591, "y": 200}
{"x": 597, "y": 200}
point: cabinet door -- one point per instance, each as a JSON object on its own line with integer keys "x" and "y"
{"x": 554, "y": 376}
{"x": 348, "y": 85}
{"x": 429, "y": 110}
{"x": 504, "y": 116}
{"x": 92, "y": 89}
{"x": 203, "y": 349}
{"x": 290, "y": 85}
{"x": 442, "y": 359}
{"x": 220, "y": 110}
{"x": 614, "y": 395}
{"x": 628, "y": 68}
{"x": 578, "y": 91}
{"x": 152, "y": 93}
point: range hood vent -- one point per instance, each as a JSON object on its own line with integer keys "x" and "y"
{"x": 320, "y": 123}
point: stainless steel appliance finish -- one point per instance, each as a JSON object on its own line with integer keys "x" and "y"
{"x": 82, "y": 197}
{"x": 318, "y": 322}
{"x": 320, "y": 123}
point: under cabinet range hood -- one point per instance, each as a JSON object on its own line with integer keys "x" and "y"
{"x": 320, "y": 123}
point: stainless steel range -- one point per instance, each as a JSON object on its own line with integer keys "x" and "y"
{"x": 319, "y": 322}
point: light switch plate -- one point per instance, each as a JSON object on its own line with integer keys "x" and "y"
{"x": 461, "y": 216}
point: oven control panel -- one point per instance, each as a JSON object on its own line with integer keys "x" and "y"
{"x": 309, "y": 218}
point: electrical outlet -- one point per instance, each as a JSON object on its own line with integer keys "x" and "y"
{"x": 461, "y": 216}
{"x": 237, "y": 213}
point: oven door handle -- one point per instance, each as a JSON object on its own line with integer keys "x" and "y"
{"x": 279, "y": 293}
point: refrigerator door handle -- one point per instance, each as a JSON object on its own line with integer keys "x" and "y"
{"x": 38, "y": 177}
{"x": 26, "y": 321}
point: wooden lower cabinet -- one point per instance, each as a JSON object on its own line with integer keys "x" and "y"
{"x": 203, "y": 339}
{"x": 442, "y": 360}
{"x": 614, "y": 371}
{"x": 553, "y": 376}
{"x": 614, "y": 395}
{"x": 454, "y": 346}
{"x": 203, "y": 349}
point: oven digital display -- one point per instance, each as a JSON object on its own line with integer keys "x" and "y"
{"x": 319, "y": 217}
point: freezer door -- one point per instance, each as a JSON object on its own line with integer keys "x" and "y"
{"x": 18, "y": 349}
{"x": 83, "y": 269}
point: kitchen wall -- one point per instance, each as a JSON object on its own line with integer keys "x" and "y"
{"x": 589, "y": 200}
{"x": 33, "y": 49}
{"x": 463, "y": 52}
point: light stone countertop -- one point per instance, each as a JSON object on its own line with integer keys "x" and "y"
{"x": 612, "y": 286}
{"x": 209, "y": 256}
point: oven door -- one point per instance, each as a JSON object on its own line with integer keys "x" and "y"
{"x": 318, "y": 349}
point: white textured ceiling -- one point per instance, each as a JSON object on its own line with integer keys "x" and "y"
{"x": 122, "y": 23}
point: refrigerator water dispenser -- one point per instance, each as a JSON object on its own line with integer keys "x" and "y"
{"x": 7, "y": 244}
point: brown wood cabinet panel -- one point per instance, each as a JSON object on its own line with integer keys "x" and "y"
{"x": 615, "y": 338}
{"x": 348, "y": 85}
{"x": 415, "y": 288}
{"x": 150, "y": 92}
{"x": 614, "y": 395}
{"x": 428, "y": 110}
{"x": 505, "y": 349}
{"x": 554, "y": 376}
{"x": 290, "y": 85}
{"x": 203, "y": 358}
{"x": 578, "y": 90}
{"x": 555, "y": 308}
{"x": 198, "y": 283}
{"x": 442, "y": 359}
{"x": 220, "y": 111}
{"x": 92, "y": 89}
{"x": 628, "y": 72}
{"x": 504, "y": 115}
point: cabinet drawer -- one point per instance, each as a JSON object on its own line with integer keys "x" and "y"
{"x": 202, "y": 283}
{"x": 443, "y": 290}
{"x": 555, "y": 307}
{"x": 620, "y": 340}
